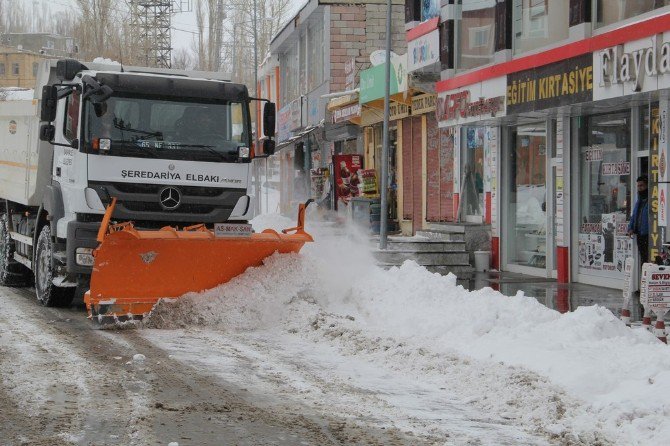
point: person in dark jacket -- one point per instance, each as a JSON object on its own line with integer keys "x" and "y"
{"x": 639, "y": 221}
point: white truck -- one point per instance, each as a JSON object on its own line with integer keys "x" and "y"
{"x": 173, "y": 147}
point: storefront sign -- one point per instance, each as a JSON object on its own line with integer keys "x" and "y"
{"x": 423, "y": 51}
{"x": 346, "y": 113}
{"x": 657, "y": 190}
{"x": 659, "y": 132}
{"x": 295, "y": 121}
{"x": 657, "y": 289}
{"x": 566, "y": 82}
{"x": 424, "y": 103}
{"x": 618, "y": 66}
{"x": 459, "y": 106}
{"x": 620, "y": 168}
{"x": 593, "y": 154}
{"x": 283, "y": 123}
{"x": 373, "y": 80}
{"x": 370, "y": 116}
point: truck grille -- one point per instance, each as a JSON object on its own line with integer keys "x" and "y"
{"x": 194, "y": 191}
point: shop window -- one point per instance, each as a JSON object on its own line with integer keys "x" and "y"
{"x": 475, "y": 35}
{"x": 316, "y": 56}
{"x": 526, "y": 209}
{"x": 429, "y": 9}
{"x": 15, "y": 69}
{"x": 608, "y": 12}
{"x": 2, "y": 69}
{"x": 604, "y": 193}
{"x": 538, "y": 23}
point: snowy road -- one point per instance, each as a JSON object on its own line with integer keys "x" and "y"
{"x": 325, "y": 348}
{"x": 64, "y": 382}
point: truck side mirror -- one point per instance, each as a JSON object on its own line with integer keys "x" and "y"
{"x": 49, "y": 103}
{"x": 269, "y": 119}
{"x": 268, "y": 147}
{"x": 47, "y": 132}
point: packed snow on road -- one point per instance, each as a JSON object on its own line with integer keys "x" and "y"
{"x": 416, "y": 352}
{"x": 323, "y": 347}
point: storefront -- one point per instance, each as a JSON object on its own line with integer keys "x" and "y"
{"x": 562, "y": 145}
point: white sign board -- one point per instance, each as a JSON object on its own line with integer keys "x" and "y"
{"x": 657, "y": 289}
{"x": 663, "y": 154}
{"x": 628, "y": 279}
{"x": 423, "y": 51}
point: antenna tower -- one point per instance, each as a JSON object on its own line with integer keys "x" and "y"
{"x": 151, "y": 23}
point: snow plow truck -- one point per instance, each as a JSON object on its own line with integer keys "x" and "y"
{"x": 125, "y": 185}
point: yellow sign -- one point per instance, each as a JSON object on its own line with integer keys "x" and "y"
{"x": 424, "y": 103}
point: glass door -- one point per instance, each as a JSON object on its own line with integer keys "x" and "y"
{"x": 472, "y": 174}
{"x": 526, "y": 199}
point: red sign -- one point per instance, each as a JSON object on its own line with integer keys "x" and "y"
{"x": 346, "y": 176}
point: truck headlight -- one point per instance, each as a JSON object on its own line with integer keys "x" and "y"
{"x": 105, "y": 144}
{"x": 84, "y": 256}
{"x": 243, "y": 152}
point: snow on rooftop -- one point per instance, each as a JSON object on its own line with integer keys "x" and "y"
{"x": 598, "y": 378}
{"x": 103, "y": 60}
{"x": 16, "y": 94}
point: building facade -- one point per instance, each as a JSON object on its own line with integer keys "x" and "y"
{"x": 319, "y": 55}
{"x": 21, "y": 53}
{"x": 547, "y": 112}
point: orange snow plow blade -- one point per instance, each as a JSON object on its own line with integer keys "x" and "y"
{"x": 134, "y": 269}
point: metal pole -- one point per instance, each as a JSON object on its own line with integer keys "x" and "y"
{"x": 257, "y": 169}
{"x": 383, "y": 223}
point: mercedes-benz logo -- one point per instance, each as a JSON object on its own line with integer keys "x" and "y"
{"x": 171, "y": 167}
{"x": 170, "y": 198}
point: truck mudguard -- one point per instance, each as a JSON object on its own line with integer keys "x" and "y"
{"x": 52, "y": 203}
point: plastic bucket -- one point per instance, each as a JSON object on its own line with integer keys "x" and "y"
{"x": 482, "y": 261}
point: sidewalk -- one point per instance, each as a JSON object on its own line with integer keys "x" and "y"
{"x": 562, "y": 297}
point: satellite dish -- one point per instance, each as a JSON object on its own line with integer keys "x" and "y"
{"x": 378, "y": 57}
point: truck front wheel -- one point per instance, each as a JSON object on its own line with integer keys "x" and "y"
{"x": 12, "y": 273}
{"x": 48, "y": 294}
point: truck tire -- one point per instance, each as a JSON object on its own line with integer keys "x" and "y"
{"x": 48, "y": 294}
{"x": 12, "y": 273}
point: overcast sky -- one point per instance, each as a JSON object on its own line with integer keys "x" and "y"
{"x": 183, "y": 24}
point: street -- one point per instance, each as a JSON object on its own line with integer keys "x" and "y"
{"x": 66, "y": 382}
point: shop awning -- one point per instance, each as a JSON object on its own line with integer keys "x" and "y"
{"x": 345, "y": 109}
{"x": 308, "y": 130}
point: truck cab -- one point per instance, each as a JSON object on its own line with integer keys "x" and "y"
{"x": 173, "y": 148}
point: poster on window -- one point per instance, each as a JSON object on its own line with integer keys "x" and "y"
{"x": 591, "y": 250}
{"x": 346, "y": 175}
{"x": 623, "y": 248}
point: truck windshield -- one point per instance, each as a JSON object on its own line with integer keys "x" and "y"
{"x": 164, "y": 128}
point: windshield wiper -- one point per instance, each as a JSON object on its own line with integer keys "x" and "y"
{"x": 210, "y": 149}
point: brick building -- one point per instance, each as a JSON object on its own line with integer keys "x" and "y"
{"x": 319, "y": 54}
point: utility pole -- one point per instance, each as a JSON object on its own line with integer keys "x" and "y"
{"x": 257, "y": 167}
{"x": 383, "y": 222}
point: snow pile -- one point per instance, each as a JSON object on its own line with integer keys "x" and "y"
{"x": 409, "y": 319}
{"x": 105, "y": 61}
{"x": 16, "y": 94}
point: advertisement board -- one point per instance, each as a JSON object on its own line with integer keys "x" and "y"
{"x": 566, "y": 82}
{"x": 346, "y": 178}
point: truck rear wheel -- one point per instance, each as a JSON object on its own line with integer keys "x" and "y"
{"x": 48, "y": 294}
{"x": 12, "y": 273}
